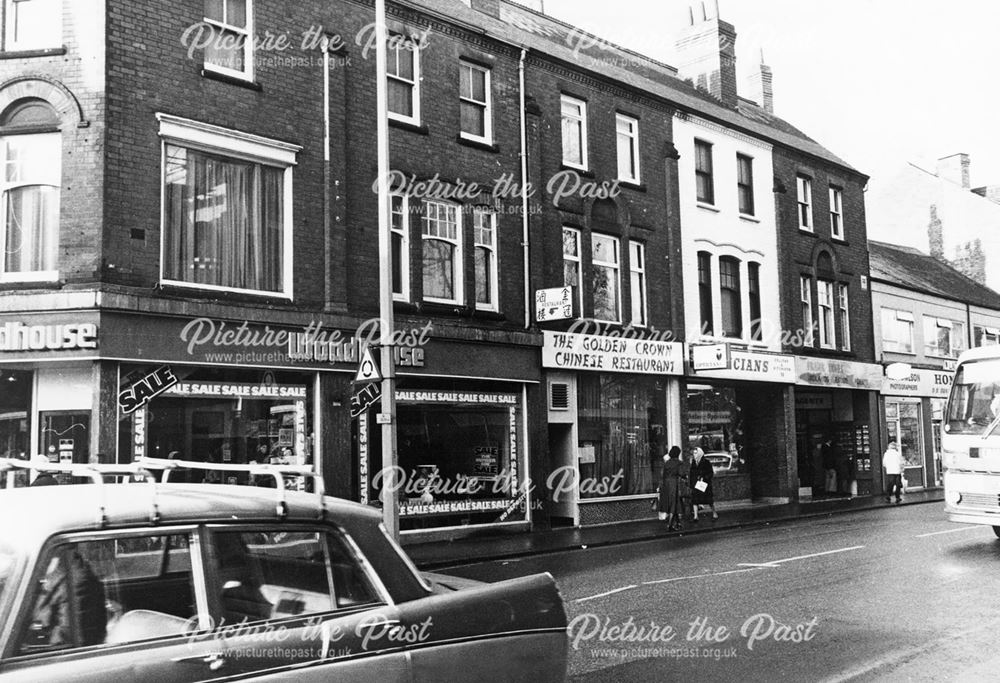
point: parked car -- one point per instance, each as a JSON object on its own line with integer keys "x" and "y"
{"x": 723, "y": 462}
{"x": 197, "y": 582}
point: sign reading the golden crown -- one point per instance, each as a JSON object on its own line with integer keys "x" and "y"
{"x": 572, "y": 351}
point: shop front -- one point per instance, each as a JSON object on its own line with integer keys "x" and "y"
{"x": 613, "y": 412}
{"x": 912, "y": 408}
{"x": 737, "y": 410}
{"x": 47, "y": 397}
{"x": 836, "y": 422}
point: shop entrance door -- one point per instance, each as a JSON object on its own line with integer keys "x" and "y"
{"x": 562, "y": 448}
{"x": 65, "y": 436}
{"x": 905, "y": 427}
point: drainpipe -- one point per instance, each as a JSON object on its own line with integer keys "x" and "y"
{"x": 524, "y": 193}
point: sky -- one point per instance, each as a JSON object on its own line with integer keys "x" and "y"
{"x": 878, "y": 82}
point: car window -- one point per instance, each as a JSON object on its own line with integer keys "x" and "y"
{"x": 278, "y": 574}
{"x": 8, "y": 562}
{"x": 110, "y": 590}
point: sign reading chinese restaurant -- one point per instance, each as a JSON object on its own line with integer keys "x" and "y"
{"x": 755, "y": 367}
{"x": 837, "y": 374}
{"x": 571, "y": 351}
{"x": 932, "y": 383}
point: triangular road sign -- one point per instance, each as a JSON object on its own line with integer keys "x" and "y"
{"x": 368, "y": 368}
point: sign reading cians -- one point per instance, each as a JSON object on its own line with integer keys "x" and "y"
{"x": 571, "y": 351}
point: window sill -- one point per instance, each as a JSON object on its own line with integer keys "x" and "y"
{"x": 409, "y": 126}
{"x": 749, "y": 218}
{"x": 804, "y": 231}
{"x": 231, "y": 80}
{"x": 193, "y": 290}
{"x": 708, "y": 207}
{"x": 633, "y": 185}
{"x": 9, "y": 282}
{"x": 439, "y": 308}
{"x": 496, "y": 316}
{"x": 840, "y": 240}
{"x": 477, "y": 144}
{"x": 901, "y": 353}
{"x": 39, "y": 52}
{"x": 582, "y": 170}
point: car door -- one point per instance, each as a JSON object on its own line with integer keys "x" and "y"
{"x": 110, "y": 606}
{"x": 298, "y": 602}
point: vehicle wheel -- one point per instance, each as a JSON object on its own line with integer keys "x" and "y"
{"x": 996, "y": 530}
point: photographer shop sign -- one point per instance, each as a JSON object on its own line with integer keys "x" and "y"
{"x": 601, "y": 353}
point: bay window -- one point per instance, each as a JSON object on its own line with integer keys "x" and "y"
{"x": 227, "y": 215}
{"x": 442, "y": 253}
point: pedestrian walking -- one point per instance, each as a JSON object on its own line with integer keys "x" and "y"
{"x": 670, "y": 489}
{"x": 892, "y": 463}
{"x": 700, "y": 476}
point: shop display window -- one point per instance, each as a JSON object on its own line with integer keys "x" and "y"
{"x": 622, "y": 434}
{"x": 715, "y": 424}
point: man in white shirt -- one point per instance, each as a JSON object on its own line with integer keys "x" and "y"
{"x": 892, "y": 462}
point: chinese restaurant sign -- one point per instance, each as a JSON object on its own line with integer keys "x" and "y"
{"x": 571, "y": 351}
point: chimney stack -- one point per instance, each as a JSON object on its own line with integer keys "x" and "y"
{"x": 935, "y": 235}
{"x": 955, "y": 169}
{"x": 706, "y": 53}
{"x": 761, "y": 88}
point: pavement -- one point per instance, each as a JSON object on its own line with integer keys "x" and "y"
{"x": 490, "y": 545}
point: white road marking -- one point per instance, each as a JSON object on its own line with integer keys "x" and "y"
{"x": 695, "y": 576}
{"x": 756, "y": 564}
{"x": 948, "y": 531}
{"x": 774, "y": 563}
{"x": 603, "y": 595}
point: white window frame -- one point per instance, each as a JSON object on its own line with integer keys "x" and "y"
{"x": 897, "y": 317}
{"x": 637, "y": 283}
{"x": 615, "y": 266}
{"x": 458, "y": 262}
{"x": 52, "y": 178}
{"x": 487, "y": 105}
{"x": 578, "y": 261}
{"x": 844, "y": 312}
{"x": 956, "y": 337}
{"x": 247, "y": 74}
{"x": 827, "y": 322}
{"x": 740, "y": 157}
{"x": 628, "y": 141}
{"x": 836, "y": 213}
{"x": 580, "y": 121}
{"x": 478, "y": 213}
{"x": 50, "y": 37}
{"x": 803, "y": 193}
{"x": 990, "y": 336}
{"x": 805, "y": 298}
{"x": 403, "y": 231}
{"x": 213, "y": 139}
{"x": 396, "y": 45}
{"x": 708, "y": 173}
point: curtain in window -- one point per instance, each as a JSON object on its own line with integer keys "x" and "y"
{"x": 223, "y": 221}
{"x": 32, "y": 226}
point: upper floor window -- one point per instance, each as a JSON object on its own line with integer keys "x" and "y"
{"x": 943, "y": 337}
{"x": 744, "y": 183}
{"x": 475, "y": 102}
{"x": 824, "y": 296}
{"x": 897, "y": 330}
{"x": 628, "y": 147}
{"x": 227, "y": 214}
{"x": 843, "y": 318}
{"x": 637, "y": 289}
{"x": 804, "y": 193}
{"x": 230, "y": 50}
{"x": 573, "y": 265}
{"x": 705, "y": 293}
{"x": 399, "y": 212}
{"x": 836, "y": 213}
{"x": 606, "y": 278}
{"x": 442, "y": 253}
{"x": 805, "y": 301}
{"x": 704, "y": 180}
{"x": 403, "y": 80}
{"x": 574, "y": 131}
{"x": 32, "y": 24}
{"x": 985, "y": 336}
{"x": 753, "y": 280}
{"x": 485, "y": 229}
{"x": 731, "y": 297}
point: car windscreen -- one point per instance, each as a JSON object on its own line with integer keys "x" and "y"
{"x": 8, "y": 563}
{"x": 974, "y": 404}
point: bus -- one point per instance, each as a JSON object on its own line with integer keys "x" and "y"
{"x": 970, "y": 440}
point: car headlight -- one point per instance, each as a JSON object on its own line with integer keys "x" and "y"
{"x": 949, "y": 458}
{"x": 952, "y": 497}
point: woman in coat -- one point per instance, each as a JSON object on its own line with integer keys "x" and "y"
{"x": 670, "y": 480}
{"x": 701, "y": 471}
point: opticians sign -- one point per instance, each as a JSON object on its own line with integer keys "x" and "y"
{"x": 571, "y": 351}
{"x": 755, "y": 367}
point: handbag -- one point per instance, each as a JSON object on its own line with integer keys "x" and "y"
{"x": 701, "y": 485}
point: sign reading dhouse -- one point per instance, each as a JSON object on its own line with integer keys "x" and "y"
{"x": 571, "y": 351}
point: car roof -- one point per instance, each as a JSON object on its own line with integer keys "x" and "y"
{"x": 44, "y": 511}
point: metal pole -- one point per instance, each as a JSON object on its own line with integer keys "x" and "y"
{"x": 390, "y": 502}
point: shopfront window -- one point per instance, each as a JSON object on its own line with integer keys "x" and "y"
{"x": 622, "y": 433}
{"x": 459, "y": 458}
{"x": 715, "y": 425}
{"x": 904, "y": 425}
